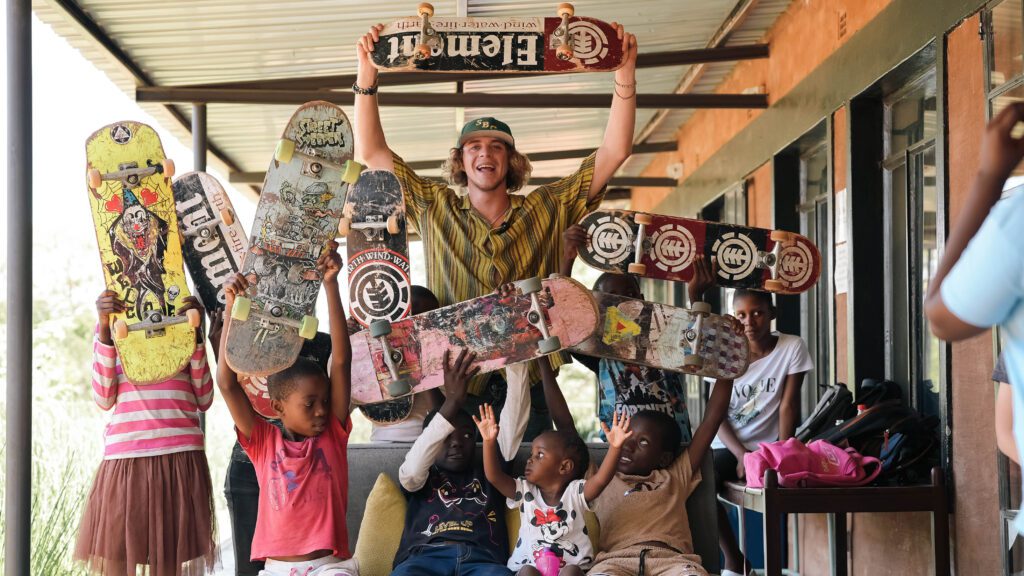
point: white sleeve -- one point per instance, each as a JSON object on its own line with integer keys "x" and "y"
{"x": 416, "y": 467}
{"x": 516, "y": 412}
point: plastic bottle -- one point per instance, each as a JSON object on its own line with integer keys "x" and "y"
{"x": 548, "y": 563}
{"x": 861, "y": 408}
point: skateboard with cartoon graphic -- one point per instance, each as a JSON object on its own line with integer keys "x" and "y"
{"x": 661, "y": 336}
{"x": 664, "y": 247}
{"x": 565, "y": 43}
{"x": 376, "y": 242}
{"x": 298, "y": 214}
{"x": 213, "y": 241}
{"x": 137, "y": 234}
{"x": 395, "y": 359}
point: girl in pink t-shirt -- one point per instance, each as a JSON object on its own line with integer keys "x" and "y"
{"x": 302, "y": 470}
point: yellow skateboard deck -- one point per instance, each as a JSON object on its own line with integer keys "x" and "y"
{"x": 137, "y": 233}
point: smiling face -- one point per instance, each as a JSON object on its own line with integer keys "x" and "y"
{"x": 485, "y": 160}
{"x": 756, "y": 314}
{"x": 306, "y": 408}
{"x": 456, "y": 453}
{"x": 644, "y": 451}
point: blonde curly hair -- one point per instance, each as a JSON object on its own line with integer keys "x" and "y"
{"x": 519, "y": 169}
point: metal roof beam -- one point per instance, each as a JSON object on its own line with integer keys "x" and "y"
{"x": 649, "y": 60}
{"x": 256, "y": 178}
{"x": 433, "y": 100}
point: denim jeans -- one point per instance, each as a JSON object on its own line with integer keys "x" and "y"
{"x": 449, "y": 560}
{"x": 242, "y": 493}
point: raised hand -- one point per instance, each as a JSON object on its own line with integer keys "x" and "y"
{"x": 486, "y": 423}
{"x": 619, "y": 431}
{"x": 1000, "y": 150}
{"x": 329, "y": 263}
{"x": 573, "y": 239}
{"x": 107, "y": 305}
{"x": 703, "y": 277}
{"x": 457, "y": 374}
{"x": 234, "y": 286}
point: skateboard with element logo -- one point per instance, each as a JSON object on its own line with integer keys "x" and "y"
{"x": 395, "y": 359}
{"x": 660, "y": 336}
{"x": 298, "y": 214}
{"x": 140, "y": 250}
{"x": 565, "y": 43}
{"x": 664, "y": 247}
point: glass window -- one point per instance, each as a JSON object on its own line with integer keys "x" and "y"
{"x": 1005, "y": 62}
{"x": 816, "y": 303}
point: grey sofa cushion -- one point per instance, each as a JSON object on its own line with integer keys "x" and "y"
{"x": 366, "y": 461}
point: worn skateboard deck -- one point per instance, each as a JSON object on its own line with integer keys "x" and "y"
{"x": 213, "y": 240}
{"x": 498, "y": 329}
{"x": 751, "y": 258}
{"x": 301, "y": 203}
{"x": 388, "y": 412}
{"x": 140, "y": 250}
{"x": 510, "y": 44}
{"x": 317, "y": 349}
{"x": 661, "y": 336}
{"x": 377, "y": 246}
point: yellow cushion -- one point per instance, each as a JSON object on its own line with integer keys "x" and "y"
{"x": 512, "y": 520}
{"x": 380, "y": 532}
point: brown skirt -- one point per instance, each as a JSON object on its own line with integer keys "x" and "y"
{"x": 155, "y": 512}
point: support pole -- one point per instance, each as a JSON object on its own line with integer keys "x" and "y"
{"x": 199, "y": 137}
{"x": 18, "y": 499}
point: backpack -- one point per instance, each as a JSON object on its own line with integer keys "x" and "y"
{"x": 835, "y": 404}
{"x": 812, "y": 465}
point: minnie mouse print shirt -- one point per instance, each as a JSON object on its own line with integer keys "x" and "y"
{"x": 559, "y": 527}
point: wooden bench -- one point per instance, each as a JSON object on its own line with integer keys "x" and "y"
{"x": 775, "y": 502}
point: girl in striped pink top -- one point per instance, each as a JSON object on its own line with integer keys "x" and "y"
{"x": 151, "y": 503}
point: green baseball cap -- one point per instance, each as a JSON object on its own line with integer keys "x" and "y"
{"x": 487, "y": 126}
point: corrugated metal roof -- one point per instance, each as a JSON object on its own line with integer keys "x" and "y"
{"x": 213, "y": 41}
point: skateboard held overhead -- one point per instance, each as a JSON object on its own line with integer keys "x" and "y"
{"x": 140, "y": 250}
{"x": 298, "y": 214}
{"x": 660, "y": 336}
{"x": 394, "y": 359}
{"x": 565, "y": 43}
{"x": 374, "y": 225}
{"x": 664, "y": 247}
{"x": 213, "y": 241}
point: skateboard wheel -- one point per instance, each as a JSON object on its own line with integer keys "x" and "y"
{"x": 641, "y": 218}
{"x": 549, "y": 345}
{"x": 308, "y": 328}
{"x": 285, "y": 150}
{"x": 120, "y": 329}
{"x": 772, "y": 285}
{"x": 399, "y": 387}
{"x": 422, "y": 51}
{"x": 95, "y": 178}
{"x": 351, "y": 173}
{"x": 565, "y": 10}
{"x": 425, "y": 9}
{"x": 564, "y": 52}
{"x": 194, "y": 318}
{"x": 168, "y": 167}
{"x": 693, "y": 362}
{"x": 638, "y": 269}
{"x": 240, "y": 309}
{"x": 530, "y": 285}
{"x": 394, "y": 227}
{"x": 702, "y": 308}
{"x": 347, "y": 210}
{"x": 781, "y": 236}
{"x": 344, "y": 227}
{"x": 227, "y": 217}
{"x": 379, "y": 328}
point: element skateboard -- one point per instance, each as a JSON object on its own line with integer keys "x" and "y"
{"x": 395, "y": 359}
{"x": 693, "y": 341}
{"x": 559, "y": 44}
{"x": 664, "y": 247}
{"x": 137, "y": 233}
{"x": 374, "y": 227}
{"x": 297, "y": 216}
{"x": 213, "y": 241}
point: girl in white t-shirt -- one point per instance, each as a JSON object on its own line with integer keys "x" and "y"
{"x": 765, "y": 402}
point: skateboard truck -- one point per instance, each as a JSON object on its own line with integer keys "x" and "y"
{"x": 693, "y": 361}
{"x": 428, "y": 36}
{"x": 643, "y": 221}
{"x": 565, "y": 49}
{"x": 241, "y": 310}
{"x": 548, "y": 343}
{"x": 771, "y": 260}
{"x": 373, "y": 226}
{"x": 206, "y": 228}
{"x": 155, "y": 322}
{"x": 130, "y": 174}
{"x": 313, "y": 166}
{"x": 393, "y": 358}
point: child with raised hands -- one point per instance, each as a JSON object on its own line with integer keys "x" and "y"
{"x": 552, "y": 496}
{"x": 302, "y": 469}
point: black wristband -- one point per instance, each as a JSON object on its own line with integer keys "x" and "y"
{"x": 364, "y": 91}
